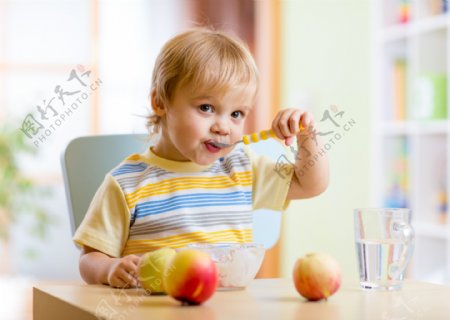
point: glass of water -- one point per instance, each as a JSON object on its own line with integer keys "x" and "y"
{"x": 384, "y": 241}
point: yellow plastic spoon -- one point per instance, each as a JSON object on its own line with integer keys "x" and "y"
{"x": 251, "y": 138}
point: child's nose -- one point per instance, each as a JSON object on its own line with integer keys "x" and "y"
{"x": 221, "y": 128}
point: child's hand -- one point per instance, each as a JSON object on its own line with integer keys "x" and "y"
{"x": 286, "y": 124}
{"x": 124, "y": 272}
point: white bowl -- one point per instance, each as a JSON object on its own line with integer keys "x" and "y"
{"x": 237, "y": 263}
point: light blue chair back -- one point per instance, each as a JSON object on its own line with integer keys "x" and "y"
{"x": 86, "y": 160}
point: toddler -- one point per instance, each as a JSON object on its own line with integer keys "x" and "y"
{"x": 186, "y": 188}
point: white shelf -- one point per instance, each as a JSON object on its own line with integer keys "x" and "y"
{"x": 414, "y": 28}
{"x": 414, "y": 127}
{"x": 432, "y": 230}
{"x": 413, "y": 154}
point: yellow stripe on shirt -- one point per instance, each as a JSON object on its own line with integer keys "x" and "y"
{"x": 186, "y": 183}
{"x": 134, "y": 157}
{"x": 179, "y": 241}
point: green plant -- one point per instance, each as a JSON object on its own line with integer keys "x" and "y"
{"x": 18, "y": 193}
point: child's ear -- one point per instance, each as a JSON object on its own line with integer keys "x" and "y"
{"x": 157, "y": 105}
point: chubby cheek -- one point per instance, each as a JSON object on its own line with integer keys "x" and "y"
{"x": 181, "y": 129}
{"x": 187, "y": 139}
{"x": 236, "y": 135}
{"x": 194, "y": 135}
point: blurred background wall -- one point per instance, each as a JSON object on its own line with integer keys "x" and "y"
{"x": 42, "y": 42}
{"x": 305, "y": 51}
{"x": 326, "y": 62}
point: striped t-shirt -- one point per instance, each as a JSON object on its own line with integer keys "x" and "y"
{"x": 148, "y": 202}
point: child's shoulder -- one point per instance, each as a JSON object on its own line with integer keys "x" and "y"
{"x": 134, "y": 163}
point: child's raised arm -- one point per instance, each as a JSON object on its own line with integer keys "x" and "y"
{"x": 311, "y": 164}
{"x": 99, "y": 268}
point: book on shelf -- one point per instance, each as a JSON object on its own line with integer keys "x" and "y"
{"x": 442, "y": 206}
{"x": 435, "y": 7}
{"x": 422, "y": 8}
{"x": 399, "y": 89}
{"x": 396, "y": 195}
{"x": 430, "y": 97}
{"x": 403, "y": 10}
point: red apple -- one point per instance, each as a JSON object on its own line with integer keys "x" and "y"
{"x": 317, "y": 276}
{"x": 191, "y": 277}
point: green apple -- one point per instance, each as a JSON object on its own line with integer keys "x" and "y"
{"x": 151, "y": 269}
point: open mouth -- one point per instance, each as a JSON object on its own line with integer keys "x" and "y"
{"x": 212, "y": 146}
{"x": 220, "y": 144}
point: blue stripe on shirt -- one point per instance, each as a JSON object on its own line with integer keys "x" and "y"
{"x": 193, "y": 201}
{"x": 129, "y": 168}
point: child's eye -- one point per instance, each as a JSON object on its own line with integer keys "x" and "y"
{"x": 206, "y": 108}
{"x": 237, "y": 114}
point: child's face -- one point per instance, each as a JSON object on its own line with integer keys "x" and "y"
{"x": 193, "y": 119}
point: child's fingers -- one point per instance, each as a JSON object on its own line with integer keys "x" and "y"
{"x": 307, "y": 120}
{"x": 275, "y": 126}
{"x": 117, "y": 281}
{"x": 287, "y": 123}
{"x": 125, "y": 273}
{"x": 132, "y": 271}
{"x": 288, "y": 141}
{"x": 134, "y": 260}
{"x": 128, "y": 278}
{"x": 283, "y": 123}
{"x": 294, "y": 122}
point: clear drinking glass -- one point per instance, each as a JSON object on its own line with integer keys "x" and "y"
{"x": 384, "y": 241}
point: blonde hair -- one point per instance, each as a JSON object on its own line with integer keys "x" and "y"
{"x": 204, "y": 58}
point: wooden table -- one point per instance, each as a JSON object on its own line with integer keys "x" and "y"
{"x": 263, "y": 299}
